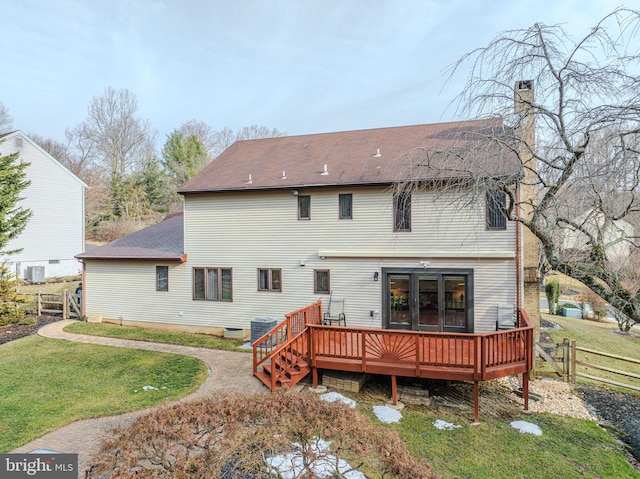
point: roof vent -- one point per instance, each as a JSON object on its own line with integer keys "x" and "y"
{"x": 250, "y": 180}
{"x": 19, "y": 142}
{"x": 284, "y": 175}
{"x": 326, "y": 171}
{"x": 377, "y": 154}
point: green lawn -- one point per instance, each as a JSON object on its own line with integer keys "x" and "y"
{"x": 568, "y": 448}
{"x": 48, "y": 383}
{"x": 599, "y": 336}
{"x": 156, "y": 336}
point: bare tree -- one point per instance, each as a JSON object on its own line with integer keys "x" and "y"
{"x": 582, "y": 166}
{"x": 121, "y": 140}
{"x": 6, "y": 121}
{"x": 202, "y": 131}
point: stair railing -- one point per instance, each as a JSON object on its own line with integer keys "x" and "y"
{"x": 288, "y": 335}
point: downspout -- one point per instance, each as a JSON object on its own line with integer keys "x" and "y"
{"x": 518, "y": 251}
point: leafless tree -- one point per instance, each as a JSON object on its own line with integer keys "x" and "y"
{"x": 120, "y": 140}
{"x": 202, "y": 131}
{"x": 582, "y": 164}
{"x": 6, "y": 121}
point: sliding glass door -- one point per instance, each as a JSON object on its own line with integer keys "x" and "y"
{"x": 428, "y": 300}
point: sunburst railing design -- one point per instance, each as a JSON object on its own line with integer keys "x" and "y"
{"x": 390, "y": 347}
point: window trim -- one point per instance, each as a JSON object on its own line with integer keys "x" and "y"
{"x": 315, "y": 281}
{"x": 342, "y": 196}
{"x": 300, "y": 199}
{"x": 406, "y": 216}
{"x": 493, "y": 211}
{"x": 160, "y": 268}
{"x": 220, "y": 289}
{"x": 269, "y": 288}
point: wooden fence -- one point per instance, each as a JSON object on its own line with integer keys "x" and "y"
{"x": 575, "y": 362}
{"x": 566, "y": 365}
{"x": 66, "y": 304}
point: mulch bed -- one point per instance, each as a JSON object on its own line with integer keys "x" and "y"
{"x": 619, "y": 411}
{"x": 11, "y": 332}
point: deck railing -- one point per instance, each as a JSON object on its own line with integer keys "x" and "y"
{"x": 270, "y": 345}
{"x": 464, "y": 356}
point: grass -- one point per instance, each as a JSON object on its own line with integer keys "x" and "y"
{"x": 50, "y": 287}
{"x": 156, "y": 336}
{"x": 599, "y": 336}
{"x": 568, "y": 448}
{"x": 48, "y": 383}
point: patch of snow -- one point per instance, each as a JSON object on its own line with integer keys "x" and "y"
{"x": 333, "y": 396}
{"x": 291, "y": 465}
{"x": 149, "y": 388}
{"x": 387, "y": 414}
{"x": 440, "y": 424}
{"x": 527, "y": 427}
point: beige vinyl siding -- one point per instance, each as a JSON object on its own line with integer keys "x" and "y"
{"x": 250, "y": 230}
{"x": 55, "y": 231}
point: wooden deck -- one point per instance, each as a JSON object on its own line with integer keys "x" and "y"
{"x": 301, "y": 345}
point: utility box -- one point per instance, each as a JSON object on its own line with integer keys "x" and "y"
{"x": 35, "y": 274}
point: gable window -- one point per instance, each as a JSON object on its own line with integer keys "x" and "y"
{"x": 212, "y": 284}
{"x": 304, "y": 207}
{"x": 269, "y": 279}
{"x": 402, "y": 212}
{"x": 496, "y": 202}
{"x": 162, "y": 278}
{"x": 345, "y": 203}
{"x": 321, "y": 281}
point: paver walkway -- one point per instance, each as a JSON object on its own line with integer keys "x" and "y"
{"x": 228, "y": 372}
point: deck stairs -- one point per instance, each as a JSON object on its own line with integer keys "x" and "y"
{"x": 281, "y": 356}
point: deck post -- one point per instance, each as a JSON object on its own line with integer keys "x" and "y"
{"x": 525, "y": 390}
{"x": 314, "y": 375}
{"x": 394, "y": 391}
{"x": 476, "y": 401}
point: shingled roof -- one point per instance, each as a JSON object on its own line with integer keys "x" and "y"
{"x": 163, "y": 241}
{"x": 377, "y": 156}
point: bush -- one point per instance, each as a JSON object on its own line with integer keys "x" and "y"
{"x": 11, "y": 310}
{"x": 233, "y": 436}
{"x": 552, "y": 291}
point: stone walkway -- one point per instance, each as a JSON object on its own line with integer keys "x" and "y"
{"x": 228, "y": 372}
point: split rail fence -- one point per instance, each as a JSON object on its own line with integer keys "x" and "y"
{"x": 566, "y": 365}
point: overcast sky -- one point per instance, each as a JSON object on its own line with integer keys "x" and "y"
{"x": 300, "y": 66}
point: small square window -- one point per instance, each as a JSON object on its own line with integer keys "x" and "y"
{"x": 270, "y": 280}
{"x": 162, "y": 278}
{"x": 345, "y": 202}
{"x": 321, "y": 284}
{"x": 304, "y": 207}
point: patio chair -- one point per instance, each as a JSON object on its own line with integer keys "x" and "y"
{"x": 335, "y": 311}
{"x": 506, "y": 317}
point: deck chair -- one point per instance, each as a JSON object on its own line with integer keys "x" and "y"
{"x": 335, "y": 311}
{"x": 506, "y": 317}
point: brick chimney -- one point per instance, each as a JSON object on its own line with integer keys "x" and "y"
{"x": 524, "y": 97}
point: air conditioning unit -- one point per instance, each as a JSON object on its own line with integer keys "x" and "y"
{"x": 260, "y": 327}
{"x": 35, "y": 274}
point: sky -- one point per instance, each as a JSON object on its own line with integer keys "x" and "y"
{"x": 306, "y": 66}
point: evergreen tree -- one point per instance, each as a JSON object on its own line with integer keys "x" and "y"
{"x": 13, "y": 218}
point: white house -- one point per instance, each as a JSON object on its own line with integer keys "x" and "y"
{"x": 615, "y": 236}
{"x": 55, "y": 231}
{"x": 275, "y": 224}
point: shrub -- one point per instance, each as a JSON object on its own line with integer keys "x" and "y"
{"x": 552, "y": 291}
{"x": 232, "y": 436}
{"x": 11, "y": 310}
